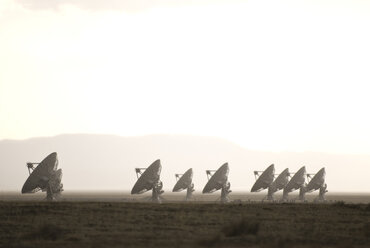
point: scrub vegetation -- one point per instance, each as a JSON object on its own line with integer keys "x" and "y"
{"x": 133, "y": 224}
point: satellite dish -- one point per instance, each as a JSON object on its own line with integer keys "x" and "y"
{"x": 185, "y": 181}
{"x": 45, "y": 177}
{"x": 149, "y": 180}
{"x": 280, "y": 182}
{"x": 218, "y": 180}
{"x": 297, "y": 181}
{"x": 264, "y": 180}
{"x": 317, "y": 182}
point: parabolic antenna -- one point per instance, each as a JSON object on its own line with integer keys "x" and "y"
{"x": 280, "y": 182}
{"x": 45, "y": 177}
{"x": 317, "y": 182}
{"x": 185, "y": 181}
{"x": 149, "y": 180}
{"x": 218, "y": 180}
{"x": 264, "y": 180}
{"x": 297, "y": 181}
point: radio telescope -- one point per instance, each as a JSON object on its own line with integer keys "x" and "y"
{"x": 218, "y": 180}
{"x": 185, "y": 181}
{"x": 149, "y": 180}
{"x": 278, "y": 184}
{"x": 45, "y": 177}
{"x": 263, "y": 180}
{"x": 317, "y": 182}
{"x": 297, "y": 181}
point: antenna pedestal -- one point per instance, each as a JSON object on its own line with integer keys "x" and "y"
{"x": 189, "y": 192}
{"x": 49, "y": 194}
{"x": 53, "y": 190}
{"x": 157, "y": 191}
{"x": 322, "y": 192}
{"x": 285, "y": 196}
{"x": 270, "y": 194}
{"x": 155, "y": 196}
{"x": 302, "y": 193}
{"x": 225, "y": 193}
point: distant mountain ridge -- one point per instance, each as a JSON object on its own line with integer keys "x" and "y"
{"x": 107, "y": 162}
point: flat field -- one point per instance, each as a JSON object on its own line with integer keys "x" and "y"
{"x": 197, "y": 224}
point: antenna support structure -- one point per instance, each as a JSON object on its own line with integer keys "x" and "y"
{"x": 218, "y": 180}
{"x": 185, "y": 181}
{"x": 44, "y": 176}
{"x": 314, "y": 182}
{"x": 149, "y": 179}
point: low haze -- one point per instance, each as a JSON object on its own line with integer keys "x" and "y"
{"x": 254, "y": 82}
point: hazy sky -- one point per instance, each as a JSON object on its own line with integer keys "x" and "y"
{"x": 271, "y": 75}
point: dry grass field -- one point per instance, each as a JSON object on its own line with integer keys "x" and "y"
{"x": 133, "y": 224}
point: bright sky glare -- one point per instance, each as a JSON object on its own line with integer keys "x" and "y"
{"x": 269, "y": 75}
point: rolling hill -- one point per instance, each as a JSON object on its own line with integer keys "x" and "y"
{"x": 107, "y": 162}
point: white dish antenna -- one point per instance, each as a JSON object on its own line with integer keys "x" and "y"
{"x": 315, "y": 182}
{"x": 185, "y": 181}
{"x": 297, "y": 181}
{"x": 278, "y": 184}
{"x": 263, "y": 179}
{"x": 149, "y": 179}
{"x": 218, "y": 180}
{"x": 45, "y": 177}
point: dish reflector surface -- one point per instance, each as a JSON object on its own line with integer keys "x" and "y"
{"x": 218, "y": 179}
{"x": 281, "y": 181}
{"x": 42, "y": 174}
{"x": 148, "y": 179}
{"x": 184, "y": 182}
{"x": 265, "y": 180}
{"x": 317, "y": 181}
{"x": 297, "y": 180}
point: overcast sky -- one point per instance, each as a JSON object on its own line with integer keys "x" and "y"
{"x": 268, "y": 75}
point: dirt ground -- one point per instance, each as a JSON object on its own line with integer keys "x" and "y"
{"x": 175, "y": 224}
